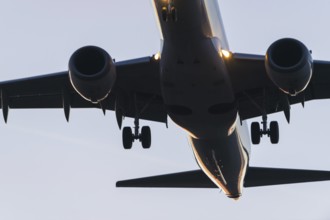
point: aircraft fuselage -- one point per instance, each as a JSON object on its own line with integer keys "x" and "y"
{"x": 197, "y": 90}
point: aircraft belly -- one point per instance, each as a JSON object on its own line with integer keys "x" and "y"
{"x": 195, "y": 84}
{"x": 196, "y": 88}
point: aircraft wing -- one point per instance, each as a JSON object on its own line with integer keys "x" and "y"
{"x": 250, "y": 82}
{"x": 255, "y": 176}
{"x": 137, "y": 81}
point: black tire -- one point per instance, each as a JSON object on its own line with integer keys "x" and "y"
{"x": 255, "y": 133}
{"x": 274, "y": 132}
{"x": 127, "y": 138}
{"x": 146, "y": 137}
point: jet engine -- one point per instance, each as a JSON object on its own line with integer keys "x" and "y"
{"x": 92, "y": 73}
{"x": 289, "y": 65}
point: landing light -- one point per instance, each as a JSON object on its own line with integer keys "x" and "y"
{"x": 226, "y": 53}
{"x": 157, "y": 56}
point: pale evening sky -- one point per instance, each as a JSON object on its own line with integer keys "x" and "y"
{"x": 50, "y": 169}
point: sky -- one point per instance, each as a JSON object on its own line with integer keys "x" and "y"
{"x": 51, "y": 169}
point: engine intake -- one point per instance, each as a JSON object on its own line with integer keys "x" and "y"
{"x": 92, "y": 73}
{"x": 289, "y": 65}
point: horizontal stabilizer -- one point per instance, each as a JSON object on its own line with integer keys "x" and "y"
{"x": 259, "y": 176}
{"x": 190, "y": 179}
{"x": 255, "y": 176}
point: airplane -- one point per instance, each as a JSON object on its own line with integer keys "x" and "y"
{"x": 198, "y": 82}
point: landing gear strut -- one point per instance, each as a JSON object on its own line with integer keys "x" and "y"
{"x": 169, "y": 12}
{"x": 272, "y": 132}
{"x": 144, "y": 137}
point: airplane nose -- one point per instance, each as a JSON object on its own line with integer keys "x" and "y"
{"x": 234, "y": 196}
{"x": 224, "y": 161}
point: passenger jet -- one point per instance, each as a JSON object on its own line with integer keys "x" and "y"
{"x": 201, "y": 85}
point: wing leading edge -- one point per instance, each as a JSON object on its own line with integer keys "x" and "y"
{"x": 251, "y": 85}
{"x": 255, "y": 176}
{"x": 137, "y": 84}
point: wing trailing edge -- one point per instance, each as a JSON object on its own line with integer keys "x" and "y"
{"x": 255, "y": 176}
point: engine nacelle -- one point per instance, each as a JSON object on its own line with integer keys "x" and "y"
{"x": 289, "y": 65}
{"x": 92, "y": 73}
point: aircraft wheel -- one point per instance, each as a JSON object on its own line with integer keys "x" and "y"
{"x": 274, "y": 132}
{"x": 127, "y": 138}
{"x": 255, "y": 133}
{"x": 146, "y": 137}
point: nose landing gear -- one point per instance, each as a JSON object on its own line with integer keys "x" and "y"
{"x": 169, "y": 12}
{"x": 272, "y": 132}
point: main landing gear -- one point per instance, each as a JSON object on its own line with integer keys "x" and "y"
{"x": 129, "y": 137}
{"x": 145, "y": 136}
{"x": 272, "y": 132}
